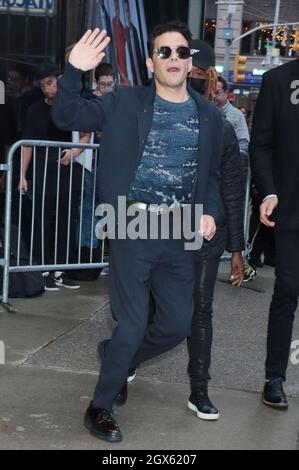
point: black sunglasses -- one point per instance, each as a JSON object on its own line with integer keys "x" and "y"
{"x": 182, "y": 52}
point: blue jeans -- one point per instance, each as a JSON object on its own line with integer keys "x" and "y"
{"x": 87, "y": 238}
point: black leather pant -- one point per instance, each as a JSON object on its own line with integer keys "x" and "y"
{"x": 200, "y": 340}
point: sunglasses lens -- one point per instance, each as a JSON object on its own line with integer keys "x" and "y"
{"x": 164, "y": 52}
{"x": 183, "y": 52}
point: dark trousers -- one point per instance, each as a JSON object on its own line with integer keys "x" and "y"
{"x": 200, "y": 340}
{"x": 284, "y": 303}
{"x": 136, "y": 268}
{"x": 264, "y": 243}
{"x": 45, "y": 225}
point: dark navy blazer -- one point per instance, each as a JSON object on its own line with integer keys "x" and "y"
{"x": 125, "y": 117}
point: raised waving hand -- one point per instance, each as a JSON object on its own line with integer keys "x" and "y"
{"x": 88, "y": 53}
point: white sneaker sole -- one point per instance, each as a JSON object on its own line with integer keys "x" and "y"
{"x": 58, "y": 284}
{"x": 51, "y": 289}
{"x": 131, "y": 378}
{"x": 204, "y": 416}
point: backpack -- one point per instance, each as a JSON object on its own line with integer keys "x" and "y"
{"x": 21, "y": 285}
{"x": 88, "y": 275}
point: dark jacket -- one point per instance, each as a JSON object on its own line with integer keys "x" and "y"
{"x": 233, "y": 189}
{"x": 230, "y": 228}
{"x": 125, "y": 117}
{"x": 274, "y": 142}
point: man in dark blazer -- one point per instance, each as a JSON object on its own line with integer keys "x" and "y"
{"x": 158, "y": 146}
{"x": 275, "y": 165}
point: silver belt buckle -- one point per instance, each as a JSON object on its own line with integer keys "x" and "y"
{"x": 153, "y": 209}
{"x": 157, "y": 210}
{"x": 140, "y": 205}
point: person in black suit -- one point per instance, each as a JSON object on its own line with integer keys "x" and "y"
{"x": 275, "y": 166}
{"x": 164, "y": 151}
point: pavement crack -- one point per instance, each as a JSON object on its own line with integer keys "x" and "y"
{"x": 44, "y": 346}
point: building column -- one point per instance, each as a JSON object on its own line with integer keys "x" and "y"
{"x": 223, "y": 10}
{"x": 196, "y": 18}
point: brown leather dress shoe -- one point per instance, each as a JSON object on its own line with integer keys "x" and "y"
{"x": 101, "y": 424}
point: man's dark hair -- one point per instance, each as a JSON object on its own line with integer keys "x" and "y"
{"x": 24, "y": 71}
{"x": 104, "y": 69}
{"x": 171, "y": 27}
{"x": 224, "y": 84}
{"x": 47, "y": 69}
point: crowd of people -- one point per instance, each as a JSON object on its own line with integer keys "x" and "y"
{"x": 178, "y": 141}
{"x": 41, "y": 174}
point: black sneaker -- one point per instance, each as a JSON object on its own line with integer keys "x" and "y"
{"x": 61, "y": 280}
{"x": 200, "y": 403}
{"x": 50, "y": 284}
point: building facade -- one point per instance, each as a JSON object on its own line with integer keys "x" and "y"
{"x": 247, "y": 15}
{"x": 35, "y": 31}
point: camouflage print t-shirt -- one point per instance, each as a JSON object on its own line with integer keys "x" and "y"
{"x": 168, "y": 166}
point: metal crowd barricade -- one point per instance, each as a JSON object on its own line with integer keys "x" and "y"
{"x": 55, "y": 266}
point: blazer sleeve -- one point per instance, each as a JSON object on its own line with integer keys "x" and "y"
{"x": 72, "y": 112}
{"x": 212, "y": 203}
{"x": 263, "y": 139}
{"x": 233, "y": 190}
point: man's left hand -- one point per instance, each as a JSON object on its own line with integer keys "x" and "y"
{"x": 207, "y": 227}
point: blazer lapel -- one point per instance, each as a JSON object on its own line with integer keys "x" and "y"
{"x": 145, "y": 116}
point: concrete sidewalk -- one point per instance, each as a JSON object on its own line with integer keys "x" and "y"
{"x": 51, "y": 370}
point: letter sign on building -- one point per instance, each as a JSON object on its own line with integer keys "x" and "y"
{"x": 29, "y": 7}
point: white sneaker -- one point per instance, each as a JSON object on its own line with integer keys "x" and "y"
{"x": 61, "y": 280}
{"x": 50, "y": 285}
